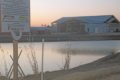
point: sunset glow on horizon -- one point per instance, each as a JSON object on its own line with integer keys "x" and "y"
{"x": 47, "y": 11}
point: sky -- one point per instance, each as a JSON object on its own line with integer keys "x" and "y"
{"x": 47, "y": 11}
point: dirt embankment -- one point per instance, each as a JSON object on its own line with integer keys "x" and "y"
{"x": 107, "y": 68}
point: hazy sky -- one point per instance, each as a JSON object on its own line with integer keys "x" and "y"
{"x": 46, "y": 11}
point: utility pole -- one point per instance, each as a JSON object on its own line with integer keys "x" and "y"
{"x": 42, "y": 64}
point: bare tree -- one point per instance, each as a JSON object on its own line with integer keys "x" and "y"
{"x": 4, "y": 61}
{"x": 33, "y": 60}
{"x": 67, "y": 62}
{"x": 67, "y": 57}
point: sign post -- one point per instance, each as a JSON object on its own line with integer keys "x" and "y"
{"x": 15, "y": 18}
{"x": 16, "y": 36}
{"x": 15, "y": 60}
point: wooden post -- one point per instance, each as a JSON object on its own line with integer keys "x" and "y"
{"x": 42, "y": 64}
{"x": 15, "y": 60}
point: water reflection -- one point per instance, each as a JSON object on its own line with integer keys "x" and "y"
{"x": 84, "y": 51}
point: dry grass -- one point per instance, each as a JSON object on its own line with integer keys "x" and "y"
{"x": 99, "y": 74}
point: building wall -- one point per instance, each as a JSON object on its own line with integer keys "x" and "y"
{"x": 102, "y": 28}
{"x": 96, "y": 28}
{"x": 75, "y": 26}
{"x": 70, "y": 26}
{"x": 114, "y": 27}
{"x": 54, "y": 27}
{"x": 62, "y": 27}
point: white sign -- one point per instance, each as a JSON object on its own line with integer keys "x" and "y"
{"x": 15, "y": 14}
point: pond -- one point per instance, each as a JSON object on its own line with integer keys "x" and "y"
{"x": 81, "y": 52}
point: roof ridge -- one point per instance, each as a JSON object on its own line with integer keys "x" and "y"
{"x": 86, "y": 16}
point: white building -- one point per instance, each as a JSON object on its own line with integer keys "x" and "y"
{"x": 87, "y": 24}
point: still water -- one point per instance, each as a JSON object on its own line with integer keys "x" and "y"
{"x": 82, "y": 52}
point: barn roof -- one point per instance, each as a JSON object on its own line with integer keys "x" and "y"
{"x": 87, "y": 19}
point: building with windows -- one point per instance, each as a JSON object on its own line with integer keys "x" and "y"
{"x": 87, "y": 24}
